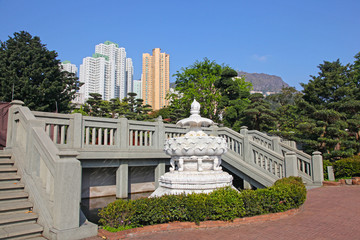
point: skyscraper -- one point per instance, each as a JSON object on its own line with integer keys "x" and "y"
{"x": 69, "y": 67}
{"x": 106, "y": 72}
{"x": 155, "y": 78}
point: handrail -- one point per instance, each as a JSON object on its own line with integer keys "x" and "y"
{"x": 84, "y": 132}
{"x": 53, "y": 177}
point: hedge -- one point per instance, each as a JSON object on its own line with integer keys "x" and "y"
{"x": 347, "y": 167}
{"x": 222, "y": 204}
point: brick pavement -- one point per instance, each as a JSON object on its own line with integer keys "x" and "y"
{"x": 328, "y": 213}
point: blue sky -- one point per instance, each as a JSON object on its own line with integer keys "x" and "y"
{"x": 279, "y": 37}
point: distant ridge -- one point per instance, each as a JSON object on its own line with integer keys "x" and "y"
{"x": 264, "y": 82}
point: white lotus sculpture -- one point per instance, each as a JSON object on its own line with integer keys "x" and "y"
{"x": 195, "y": 159}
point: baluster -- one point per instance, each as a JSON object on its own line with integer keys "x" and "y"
{"x": 62, "y": 134}
{"x": 146, "y": 137}
{"x": 150, "y": 138}
{"x": 93, "y": 140}
{"x": 255, "y": 156}
{"x": 105, "y": 136}
{"x": 141, "y": 138}
{"x": 100, "y": 136}
{"x": 47, "y": 129}
{"x": 131, "y": 138}
{"x": 136, "y": 137}
{"x": 55, "y": 139}
{"x": 265, "y": 163}
{"x": 111, "y": 136}
{"x": 303, "y": 166}
{"x": 87, "y": 135}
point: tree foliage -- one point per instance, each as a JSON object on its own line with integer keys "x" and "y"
{"x": 325, "y": 116}
{"x": 198, "y": 82}
{"x": 234, "y": 97}
{"x": 130, "y": 107}
{"x": 31, "y": 73}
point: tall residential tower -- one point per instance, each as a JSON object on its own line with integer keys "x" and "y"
{"x": 108, "y": 72}
{"x": 155, "y": 78}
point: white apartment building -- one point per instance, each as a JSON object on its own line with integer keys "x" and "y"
{"x": 106, "y": 72}
{"x": 69, "y": 67}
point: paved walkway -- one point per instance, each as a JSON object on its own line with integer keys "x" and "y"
{"x": 328, "y": 213}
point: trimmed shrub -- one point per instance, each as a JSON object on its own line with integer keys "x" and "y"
{"x": 347, "y": 167}
{"x": 222, "y": 204}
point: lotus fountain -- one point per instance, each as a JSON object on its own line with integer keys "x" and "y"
{"x": 195, "y": 159}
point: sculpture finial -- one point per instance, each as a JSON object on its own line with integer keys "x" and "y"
{"x": 195, "y": 108}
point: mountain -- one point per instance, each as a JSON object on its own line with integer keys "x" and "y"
{"x": 264, "y": 82}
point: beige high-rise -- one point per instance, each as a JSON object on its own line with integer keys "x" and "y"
{"x": 155, "y": 78}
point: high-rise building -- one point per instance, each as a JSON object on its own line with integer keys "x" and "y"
{"x": 129, "y": 75}
{"x": 155, "y": 78}
{"x": 69, "y": 67}
{"x": 137, "y": 88}
{"x": 106, "y": 72}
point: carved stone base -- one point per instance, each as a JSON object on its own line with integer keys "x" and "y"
{"x": 190, "y": 182}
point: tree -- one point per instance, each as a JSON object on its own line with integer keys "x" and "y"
{"x": 335, "y": 97}
{"x": 258, "y": 115}
{"x": 31, "y": 73}
{"x": 234, "y": 97}
{"x": 98, "y": 107}
{"x": 197, "y": 82}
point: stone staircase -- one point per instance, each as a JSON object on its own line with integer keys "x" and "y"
{"x": 17, "y": 221}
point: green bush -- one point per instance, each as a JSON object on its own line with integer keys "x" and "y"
{"x": 222, "y": 204}
{"x": 347, "y": 167}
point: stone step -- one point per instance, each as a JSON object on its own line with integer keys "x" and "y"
{"x": 9, "y": 219}
{"x": 9, "y": 177}
{"x": 24, "y": 231}
{"x": 20, "y": 206}
{"x": 4, "y": 155}
{"x": 8, "y": 169}
{"x": 11, "y": 186}
{"x": 5, "y": 195}
{"x": 6, "y": 161}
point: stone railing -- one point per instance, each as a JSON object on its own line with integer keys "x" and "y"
{"x": 52, "y": 177}
{"x": 268, "y": 154}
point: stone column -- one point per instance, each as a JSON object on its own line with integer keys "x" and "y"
{"x": 10, "y": 126}
{"x": 77, "y": 131}
{"x": 122, "y": 134}
{"x": 246, "y": 145}
{"x": 159, "y": 171}
{"x": 291, "y": 166}
{"x": 159, "y": 134}
{"x": 331, "y": 175}
{"x": 122, "y": 180}
{"x": 276, "y": 145}
{"x": 247, "y": 184}
{"x": 317, "y": 167}
{"x": 67, "y": 191}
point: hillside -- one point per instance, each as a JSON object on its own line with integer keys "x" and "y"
{"x": 264, "y": 82}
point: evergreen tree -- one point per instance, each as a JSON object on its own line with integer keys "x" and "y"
{"x": 31, "y": 73}
{"x": 258, "y": 115}
{"x": 234, "y": 97}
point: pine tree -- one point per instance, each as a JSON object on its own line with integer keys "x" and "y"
{"x": 31, "y": 73}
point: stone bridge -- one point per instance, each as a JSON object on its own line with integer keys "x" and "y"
{"x": 55, "y": 152}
